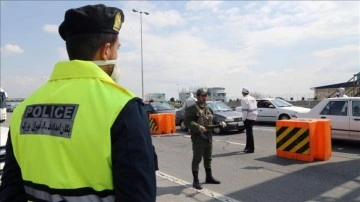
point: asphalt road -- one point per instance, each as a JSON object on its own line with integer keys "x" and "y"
{"x": 261, "y": 176}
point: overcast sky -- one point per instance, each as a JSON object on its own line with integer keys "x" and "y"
{"x": 275, "y": 48}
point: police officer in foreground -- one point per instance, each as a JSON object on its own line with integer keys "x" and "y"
{"x": 81, "y": 136}
{"x": 199, "y": 119}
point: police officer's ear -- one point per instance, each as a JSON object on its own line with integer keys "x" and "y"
{"x": 105, "y": 51}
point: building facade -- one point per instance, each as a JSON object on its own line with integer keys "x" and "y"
{"x": 157, "y": 97}
{"x": 352, "y": 88}
{"x": 215, "y": 94}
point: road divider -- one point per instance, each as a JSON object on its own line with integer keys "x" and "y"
{"x": 163, "y": 123}
{"x": 303, "y": 139}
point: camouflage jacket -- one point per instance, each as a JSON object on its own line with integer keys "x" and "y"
{"x": 196, "y": 116}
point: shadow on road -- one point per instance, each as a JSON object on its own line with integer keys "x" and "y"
{"x": 309, "y": 184}
{"x": 228, "y": 154}
{"x": 350, "y": 147}
{"x": 173, "y": 190}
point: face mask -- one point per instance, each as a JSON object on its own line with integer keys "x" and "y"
{"x": 115, "y": 75}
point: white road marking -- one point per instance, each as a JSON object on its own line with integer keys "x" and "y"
{"x": 205, "y": 191}
{"x": 265, "y": 128}
{"x": 229, "y": 142}
{"x": 217, "y": 140}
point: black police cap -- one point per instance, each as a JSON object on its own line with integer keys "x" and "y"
{"x": 91, "y": 19}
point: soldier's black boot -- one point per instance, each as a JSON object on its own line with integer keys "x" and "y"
{"x": 209, "y": 178}
{"x": 196, "y": 183}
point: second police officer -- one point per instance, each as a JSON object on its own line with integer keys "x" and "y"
{"x": 249, "y": 110}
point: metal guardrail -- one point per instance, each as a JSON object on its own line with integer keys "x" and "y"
{"x": 352, "y": 85}
{"x": 299, "y": 103}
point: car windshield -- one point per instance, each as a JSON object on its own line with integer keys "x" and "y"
{"x": 219, "y": 106}
{"x": 280, "y": 103}
{"x": 161, "y": 106}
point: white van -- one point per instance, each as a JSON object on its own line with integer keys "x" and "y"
{"x": 3, "y": 138}
{"x": 3, "y": 97}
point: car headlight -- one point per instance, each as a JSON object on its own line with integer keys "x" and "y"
{"x": 229, "y": 119}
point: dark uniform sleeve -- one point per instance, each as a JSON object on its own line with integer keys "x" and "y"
{"x": 133, "y": 155}
{"x": 12, "y": 187}
{"x": 156, "y": 160}
{"x": 191, "y": 116}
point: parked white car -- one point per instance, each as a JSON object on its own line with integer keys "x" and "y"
{"x": 344, "y": 113}
{"x": 272, "y": 109}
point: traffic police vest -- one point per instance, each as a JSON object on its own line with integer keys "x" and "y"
{"x": 61, "y": 134}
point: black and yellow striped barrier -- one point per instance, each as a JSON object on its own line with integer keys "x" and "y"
{"x": 303, "y": 139}
{"x": 293, "y": 139}
{"x": 153, "y": 125}
{"x": 163, "y": 123}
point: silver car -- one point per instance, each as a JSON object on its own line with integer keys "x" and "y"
{"x": 222, "y": 112}
{"x": 11, "y": 106}
{"x": 344, "y": 113}
{"x": 158, "y": 108}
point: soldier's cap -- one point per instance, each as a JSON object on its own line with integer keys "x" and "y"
{"x": 91, "y": 19}
{"x": 245, "y": 90}
{"x": 201, "y": 91}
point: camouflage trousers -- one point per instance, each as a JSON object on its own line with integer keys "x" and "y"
{"x": 202, "y": 149}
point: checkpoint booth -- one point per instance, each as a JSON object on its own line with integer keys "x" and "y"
{"x": 304, "y": 139}
{"x": 163, "y": 123}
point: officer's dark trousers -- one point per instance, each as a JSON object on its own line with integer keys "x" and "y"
{"x": 249, "y": 134}
{"x": 202, "y": 148}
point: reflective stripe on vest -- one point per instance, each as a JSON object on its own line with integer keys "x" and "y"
{"x": 61, "y": 133}
{"x": 42, "y": 195}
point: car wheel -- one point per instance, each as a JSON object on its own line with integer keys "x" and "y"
{"x": 241, "y": 130}
{"x": 182, "y": 125}
{"x": 284, "y": 117}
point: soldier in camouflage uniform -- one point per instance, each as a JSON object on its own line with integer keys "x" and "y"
{"x": 199, "y": 118}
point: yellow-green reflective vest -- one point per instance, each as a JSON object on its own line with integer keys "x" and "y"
{"x": 61, "y": 133}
